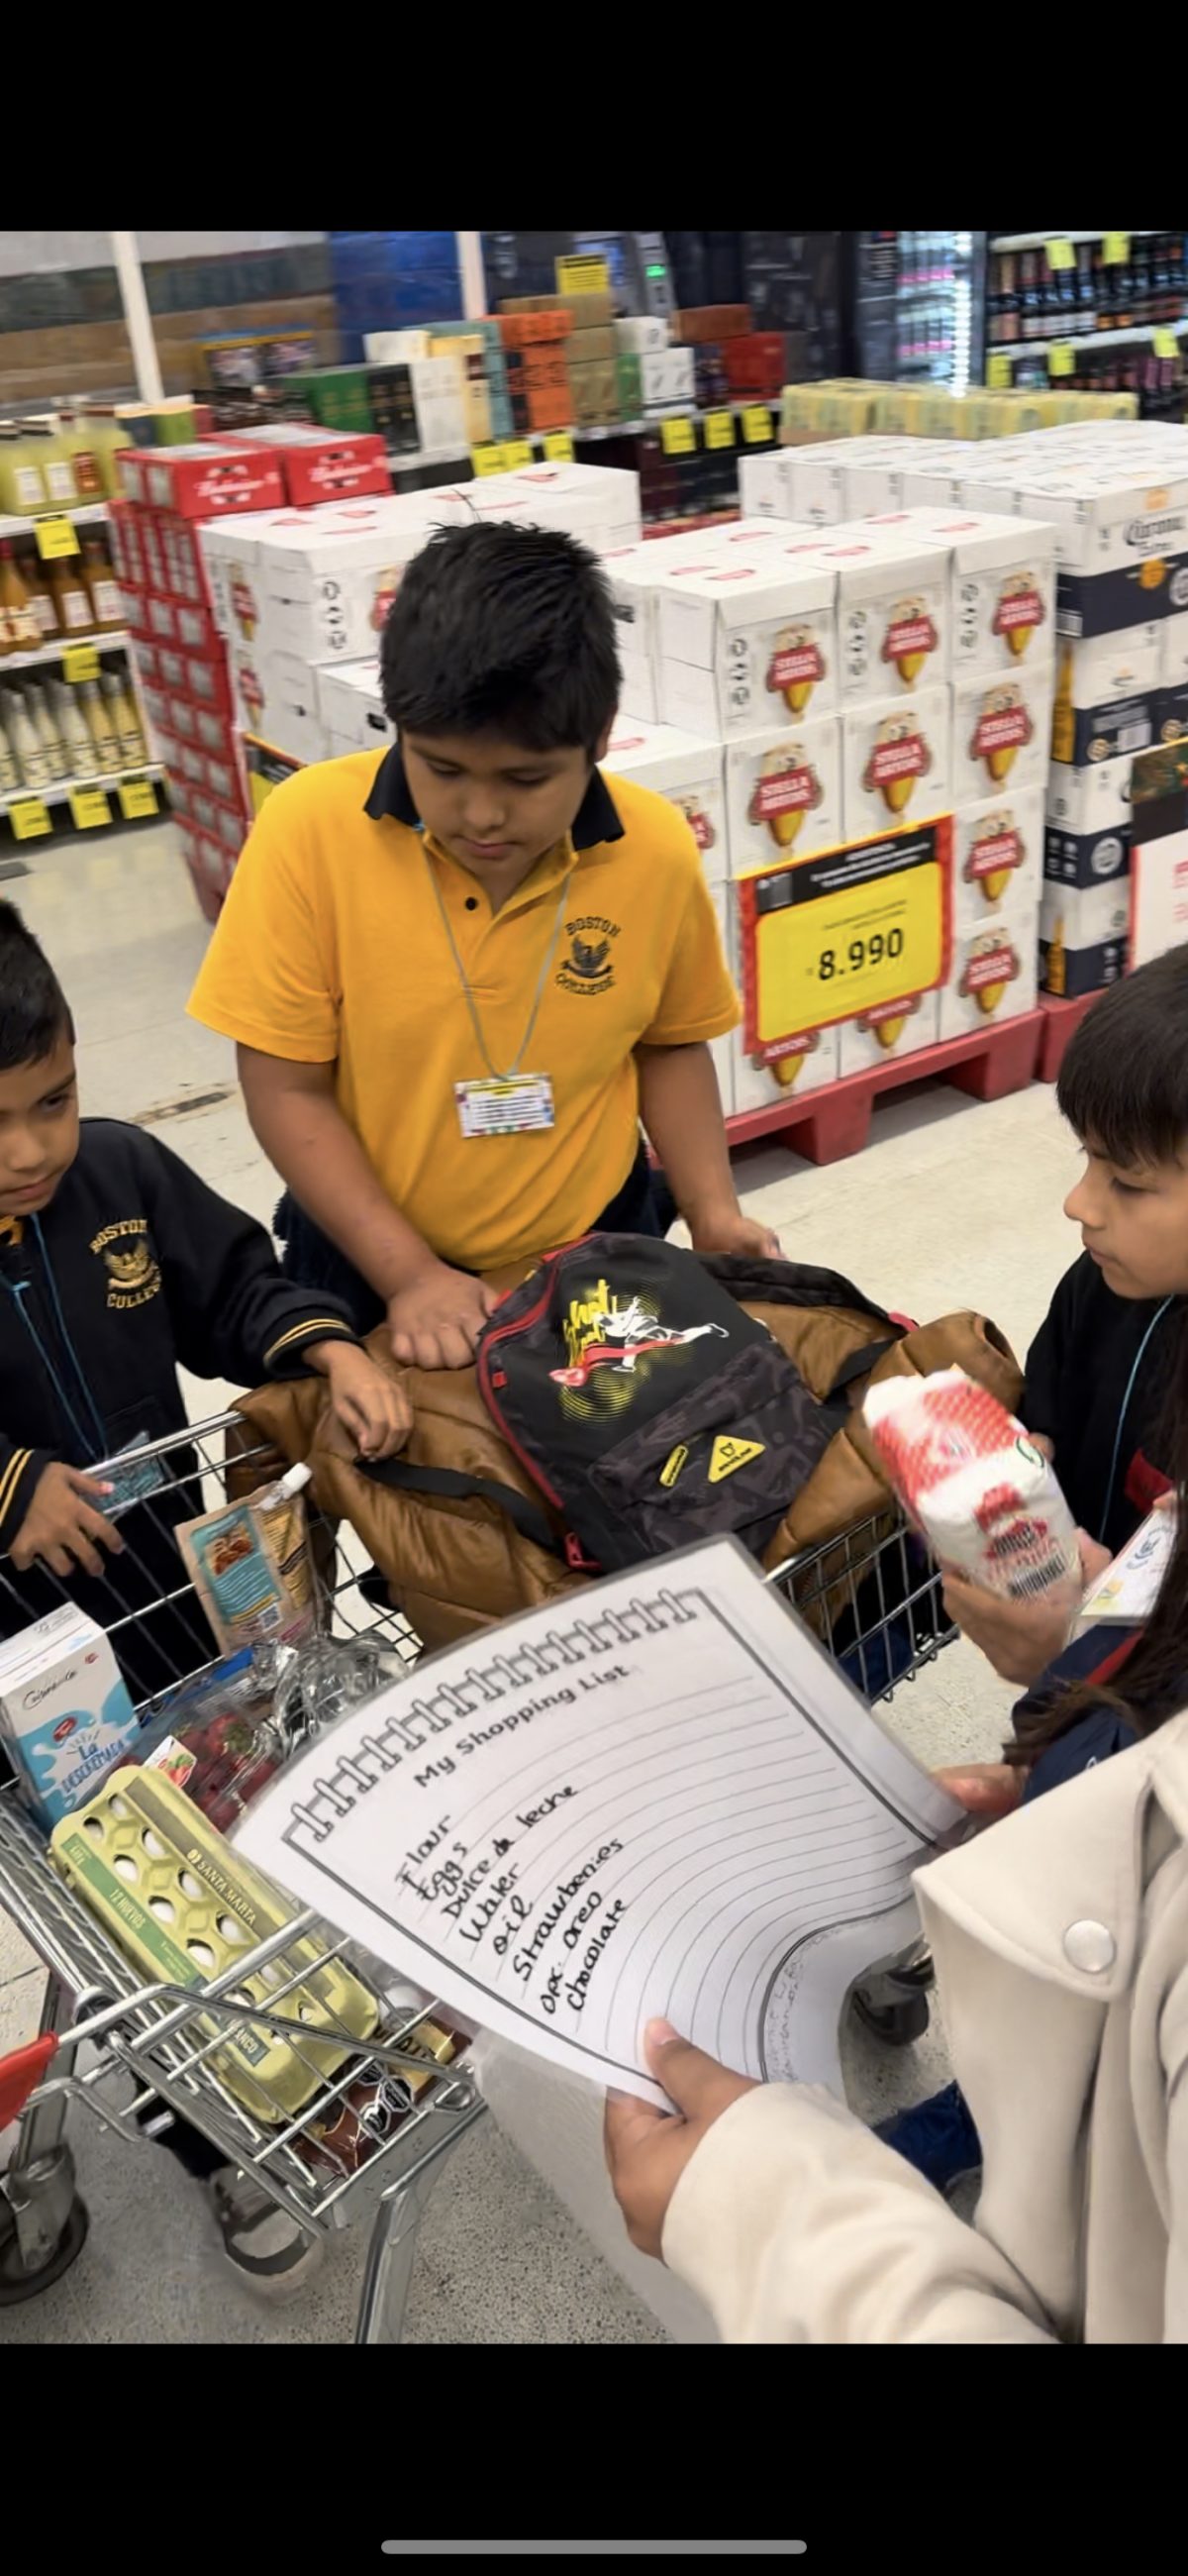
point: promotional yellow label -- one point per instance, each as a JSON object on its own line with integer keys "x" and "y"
{"x": 1061, "y": 359}
{"x": 676, "y": 1459}
{"x": 1061, "y": 255}
{"x": 516, "y": 452}
{"x": 137, "y": 796}
{"x": 489, "y": 459}
{"x": 80, "y": 662}
{"x": 558, "y": 447}
{"x": 719, "y": 429}
{"x": 678, "y": 437}
{"x": 89, "y": 807}
{"x": 29, "y": 818}
{"x": 827, "y": 950}
{"x": 756, "y": 424}
{"x": 998, "y": 372}
{"x": 1115, "y": 249}
{"x": 728, "y": 1455}
{"x": 55, "y": 537}
{"x": 1165, "y": 344}
{"x": 582, "y": 274}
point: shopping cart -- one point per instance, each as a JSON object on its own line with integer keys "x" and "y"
{"x": 136, "y": 2056}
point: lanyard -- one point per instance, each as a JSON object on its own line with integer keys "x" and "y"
{"x": 513, "y": 1068}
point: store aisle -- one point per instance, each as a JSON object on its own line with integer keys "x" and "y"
{"x": 953, "y": 1204}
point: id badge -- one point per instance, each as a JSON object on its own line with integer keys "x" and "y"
{"x": 519, "y": 1105}
{"x": 131, "y": 1478}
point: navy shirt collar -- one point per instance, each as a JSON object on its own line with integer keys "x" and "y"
{"x": 595, "y": 820}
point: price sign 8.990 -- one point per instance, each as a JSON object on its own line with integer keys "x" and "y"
{"x": 838, "y": 934}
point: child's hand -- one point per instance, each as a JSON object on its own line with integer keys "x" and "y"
{"x": 63, "y": 1526}
{"x": 371, "y": 1407}
{"x": 984, "y": 1789}
{"x": 1020, "y": 1638}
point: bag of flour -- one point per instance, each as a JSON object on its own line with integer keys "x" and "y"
{"x": 986, "y": 1500}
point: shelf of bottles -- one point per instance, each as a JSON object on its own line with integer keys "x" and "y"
{"x": 1096, "y": 312}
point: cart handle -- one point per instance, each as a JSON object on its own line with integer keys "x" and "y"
{"x": 21, "y": 2073}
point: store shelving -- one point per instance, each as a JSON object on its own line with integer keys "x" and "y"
{"x": 1086, "y": 339}
{"x": 84, "y": 513}
{"x": 1039, "y": 241}
{"x": 104, "y": 641}
{"x": 408, "y": 461}
{"x": 60, "y": 790}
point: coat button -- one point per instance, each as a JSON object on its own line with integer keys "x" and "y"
{"x": 1089, "y": 1945}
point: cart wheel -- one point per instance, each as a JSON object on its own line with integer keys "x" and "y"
{"x": 897, "y": 2024}
{"x": 16, "y": 2282}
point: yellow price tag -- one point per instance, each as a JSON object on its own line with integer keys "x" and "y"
{"x": 756, "y": 421}
{"x": 558, "y": 447}
{"x": 1061, "y": 255}
{"x": 1165, "y": 344}
{"x": 582, "y": 274}
{"x": 80, "y": 662}
{"x": 137, "y": 796}
{"x": 89, "y": 808}
{"x": 517, "y": 451}
{"x": 1115, "y": 249}
{"x": 831, "y": 944}
{"x": 488, "y": 459}
{"x": 55, "y": 537}
{"x": 29, "y": 817}
{"x": 719, "y": 429}
{"x": 1061, "y": 358}
{"x": 678, "y": 437}
{"x": 998, "y": 372}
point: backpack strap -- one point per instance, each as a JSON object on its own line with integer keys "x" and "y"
{"x": 451, "y": 1485}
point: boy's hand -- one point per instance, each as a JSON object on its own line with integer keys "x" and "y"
{"x": 647, "y": 2150}
{"x": 435, "y": 1322}
{"x": 1020, "y": 1638}
{"x": 984, "y": 1789}
{"x": 726, "y": 1229}
{"x": 373, "y": 1410}
{"x": 62, "y": 1525}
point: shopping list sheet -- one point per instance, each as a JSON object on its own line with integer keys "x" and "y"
{"x": 661, "y": 1798}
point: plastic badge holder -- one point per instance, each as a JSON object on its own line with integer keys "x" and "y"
{"x": 183, "y": 1906}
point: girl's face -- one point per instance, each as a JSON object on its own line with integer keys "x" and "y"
{"x": 1134, "y": 1223}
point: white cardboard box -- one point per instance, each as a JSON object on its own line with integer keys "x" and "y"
{"x": 1002, "y": 583}
{"x": 804, "y": 1063}
{"x": 892, "y": 612}
{"x": 351, "y": 707}
{"x": 998, "y": 855}
{"x": 739, "y": 639}
{"x": 895, "y": 1029}
{"x": 684, "y": 769}
{"x": 783, "y": 793}
{"x": 994, "y": 974}
{"x": 1002, "y": 730}
{"x": 895, "y": 762}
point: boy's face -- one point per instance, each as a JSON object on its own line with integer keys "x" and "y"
{"x": 38, "y": 1129}
{"x": 1134, "y": 1221}
{"x": 493, "y": 805}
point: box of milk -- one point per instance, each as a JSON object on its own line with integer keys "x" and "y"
{"x": 65, "y": 1713}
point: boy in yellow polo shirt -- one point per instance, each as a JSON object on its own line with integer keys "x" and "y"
{"x": 459, "y": 975}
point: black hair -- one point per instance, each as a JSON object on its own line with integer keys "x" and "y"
{"x": 1124, "y": 1082}
{"x": 503, "y": 629}
{"x": 34, "y": 1011}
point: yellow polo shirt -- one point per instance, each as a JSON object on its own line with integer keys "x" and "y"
{"x": 331, "y": 949}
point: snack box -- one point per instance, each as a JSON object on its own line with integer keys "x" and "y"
{"x": 895, "y": 762}
{"x": 686, "y": 771}
{"x": 892, "y": 611}
{"x": 1002, "y": 730}
{"x": 993, "y": 975}
{"x": 351, "y": 706}
{"x": 1002, "y": 583}
{"x": 998, "y": 854}
{"x": 784, "y": 793}
{"x": 1084, "y": 936}
{"x": 890, "y": 1030}
{"x": 1107, "y": 694}
{"x": 183, "y": 1906}
{"x": 740, "y": 639}
{"x": 65, "y": 1713}
{"x": 202, "y": 481}
{"x": 1088, "y": 818}
{"x": 799, "y": 1064}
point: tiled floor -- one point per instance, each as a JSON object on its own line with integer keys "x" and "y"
{"x": 953, "y": 1204}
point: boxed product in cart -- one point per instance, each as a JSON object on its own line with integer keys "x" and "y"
{"x": 1087, "y": 840}
{"x": 892, "y": 1029}
{"x": 1084, "y": 935}
{"x": 686, "y": 771}
{"x": 739, "y": 640}
{"x": 892, "y": 612}
{"x": 1107, "y": 695}
{"x": 998, "y": 854}
{"x": 895, "y": 762}
{"x": 993, "y": 974}
{"x": 1002, "y": 731}
{"x": 783, "y": 792}
{"x": 804, "y": 1062}
{"x": 65, "y": 1714}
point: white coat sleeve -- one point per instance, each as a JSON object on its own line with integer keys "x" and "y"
{"x": 796, "y": 2225}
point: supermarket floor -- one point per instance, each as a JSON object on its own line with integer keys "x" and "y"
{"x": 952, "y": 1204}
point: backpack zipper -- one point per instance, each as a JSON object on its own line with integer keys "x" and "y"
{"x": 522, "y": 1324}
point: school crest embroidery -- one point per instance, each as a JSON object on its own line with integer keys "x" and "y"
{"x": 133, "y": 1273}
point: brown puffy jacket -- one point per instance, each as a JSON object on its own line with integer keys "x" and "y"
{"x": 457, "y": 1566}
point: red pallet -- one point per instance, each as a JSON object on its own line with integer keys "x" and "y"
{"x": 1060, "y": 1020}
{"x": 835, "y": 1120}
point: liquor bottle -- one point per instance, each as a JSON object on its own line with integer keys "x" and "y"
{"x": 121, "y": 707}
{"x": 72, "y": 599}
{"x": 46, "y": 730}
{"x": 103, "y": 589}
{"x": 20, "y": 630}
{"x": 105, "y": 745}
{"x": 72, "y": 727}
{"x": 1086, "y": 295}
{"x": 10, "y": 776}
{"x": 1009, "y": 302}
{"x": 1030, "y": 297}
{"x": 31, "y": 759}
{"x": 41, "y": 597}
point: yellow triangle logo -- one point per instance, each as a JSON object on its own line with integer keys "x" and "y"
{"x": 727, "y": 1455}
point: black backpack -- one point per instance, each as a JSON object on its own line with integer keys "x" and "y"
{"x": 648, "y": 1406}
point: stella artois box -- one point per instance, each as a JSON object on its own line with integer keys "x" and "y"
{"x": 998, "y": 855}
{"x": 683, "y": 769}
{"x": 993, "y": 975}
{"x": 783, "y": 794}
{"x": 746, "y": 639}
{"x": 892, "y": 610}
{"x": 895, "y": 762}
{"x": 798, "y": 1064}
{"x": 890, "y": 1030}
{"x": 1002, "y": 583}
{"x": 1002, "y": 730}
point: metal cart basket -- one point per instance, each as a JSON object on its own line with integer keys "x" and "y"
{"x": 136, "y": 2055}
